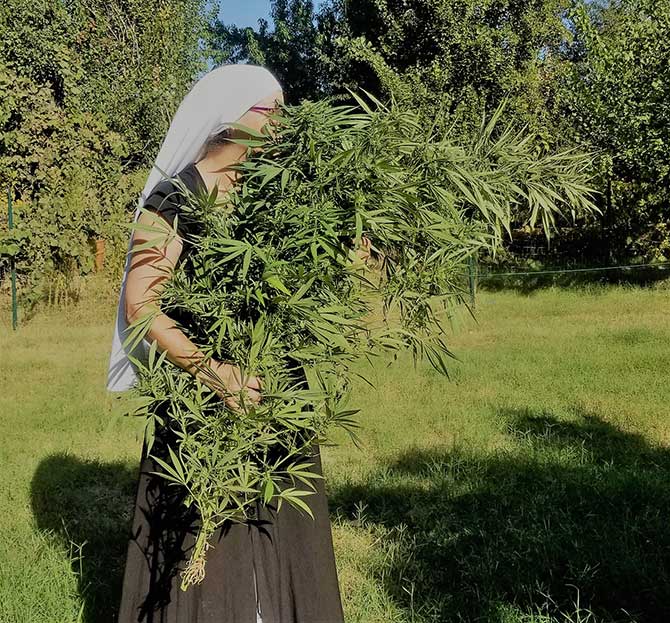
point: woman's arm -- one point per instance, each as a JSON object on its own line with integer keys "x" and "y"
{"x": 149, "y": 269}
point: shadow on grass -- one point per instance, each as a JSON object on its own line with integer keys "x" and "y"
{"x": 89, "y": 502}
{"x": 529, "y": 284}
{"x": 576, "y": 511}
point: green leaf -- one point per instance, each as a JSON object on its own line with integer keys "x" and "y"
{"x": 246, "y": 129}
{"x": 284, "y": 179}
{"x": 268, "y": 490}
{"x": 292, "y": 496}
{"x": 274, "y": 281}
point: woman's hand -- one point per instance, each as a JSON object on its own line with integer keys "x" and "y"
{"x": 365, "y": 250}
{"x": 230, "y": 384}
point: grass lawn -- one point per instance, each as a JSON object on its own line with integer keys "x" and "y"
{"x": 532, "y": 486}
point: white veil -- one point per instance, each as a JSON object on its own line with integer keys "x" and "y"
{"x": 218, "y": 98}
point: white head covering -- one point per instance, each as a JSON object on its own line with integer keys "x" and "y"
{"x": 221, "y": 96}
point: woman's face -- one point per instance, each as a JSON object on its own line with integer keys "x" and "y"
{"x": 256, "y": 119}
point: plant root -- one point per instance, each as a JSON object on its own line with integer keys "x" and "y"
{"x": 194, "y": 572}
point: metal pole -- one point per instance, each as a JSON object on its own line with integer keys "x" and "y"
{"x": 10, "y": 219}
{"x": 472, "y": 271}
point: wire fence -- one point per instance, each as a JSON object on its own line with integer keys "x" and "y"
{"x": 475, "y": 276}
{"x": 595, "y": 269}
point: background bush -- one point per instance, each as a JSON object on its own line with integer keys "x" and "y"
{"x": 88, "y": 92}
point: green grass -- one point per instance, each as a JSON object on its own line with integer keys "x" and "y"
{"x": 533, "y": 486}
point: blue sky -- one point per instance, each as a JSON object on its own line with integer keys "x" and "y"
{"x": 243, "y": 12}
{"x": 246, "y": 12}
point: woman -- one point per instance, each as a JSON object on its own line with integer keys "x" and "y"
{"x": 277, "y": 567}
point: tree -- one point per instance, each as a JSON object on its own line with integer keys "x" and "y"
{"x": 465, "y": 56}
{"x": 474, "y": 52}
{"x": 615, "y": 97}
{"x": 88, "y": 90}
{"x": 293, "y": 50}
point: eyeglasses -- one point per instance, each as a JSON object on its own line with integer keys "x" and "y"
{"x": 263, "y": 108}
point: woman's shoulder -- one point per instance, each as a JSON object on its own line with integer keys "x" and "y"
{"x": 170, "y": 191}
{"x": 167, "y": 197}
{"x": 165, "y": 190}
{"x": 164, "y": 199}
{"x": 191, "y": 178}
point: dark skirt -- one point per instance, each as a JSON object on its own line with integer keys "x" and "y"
{"x": 281, "y": 562}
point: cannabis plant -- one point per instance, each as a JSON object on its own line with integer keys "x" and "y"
{"x": 274, "y": 285}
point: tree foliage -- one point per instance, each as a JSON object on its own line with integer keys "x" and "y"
{"x": 467, "y": 56}
{"x": 64, "y": 168}
{"x": 127, "y": 63}
{"x": 615, "y": 98}
{"x": 88, "y": 89}
{"x": 474, "y": 53}
{"x": 294, "y": 48}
